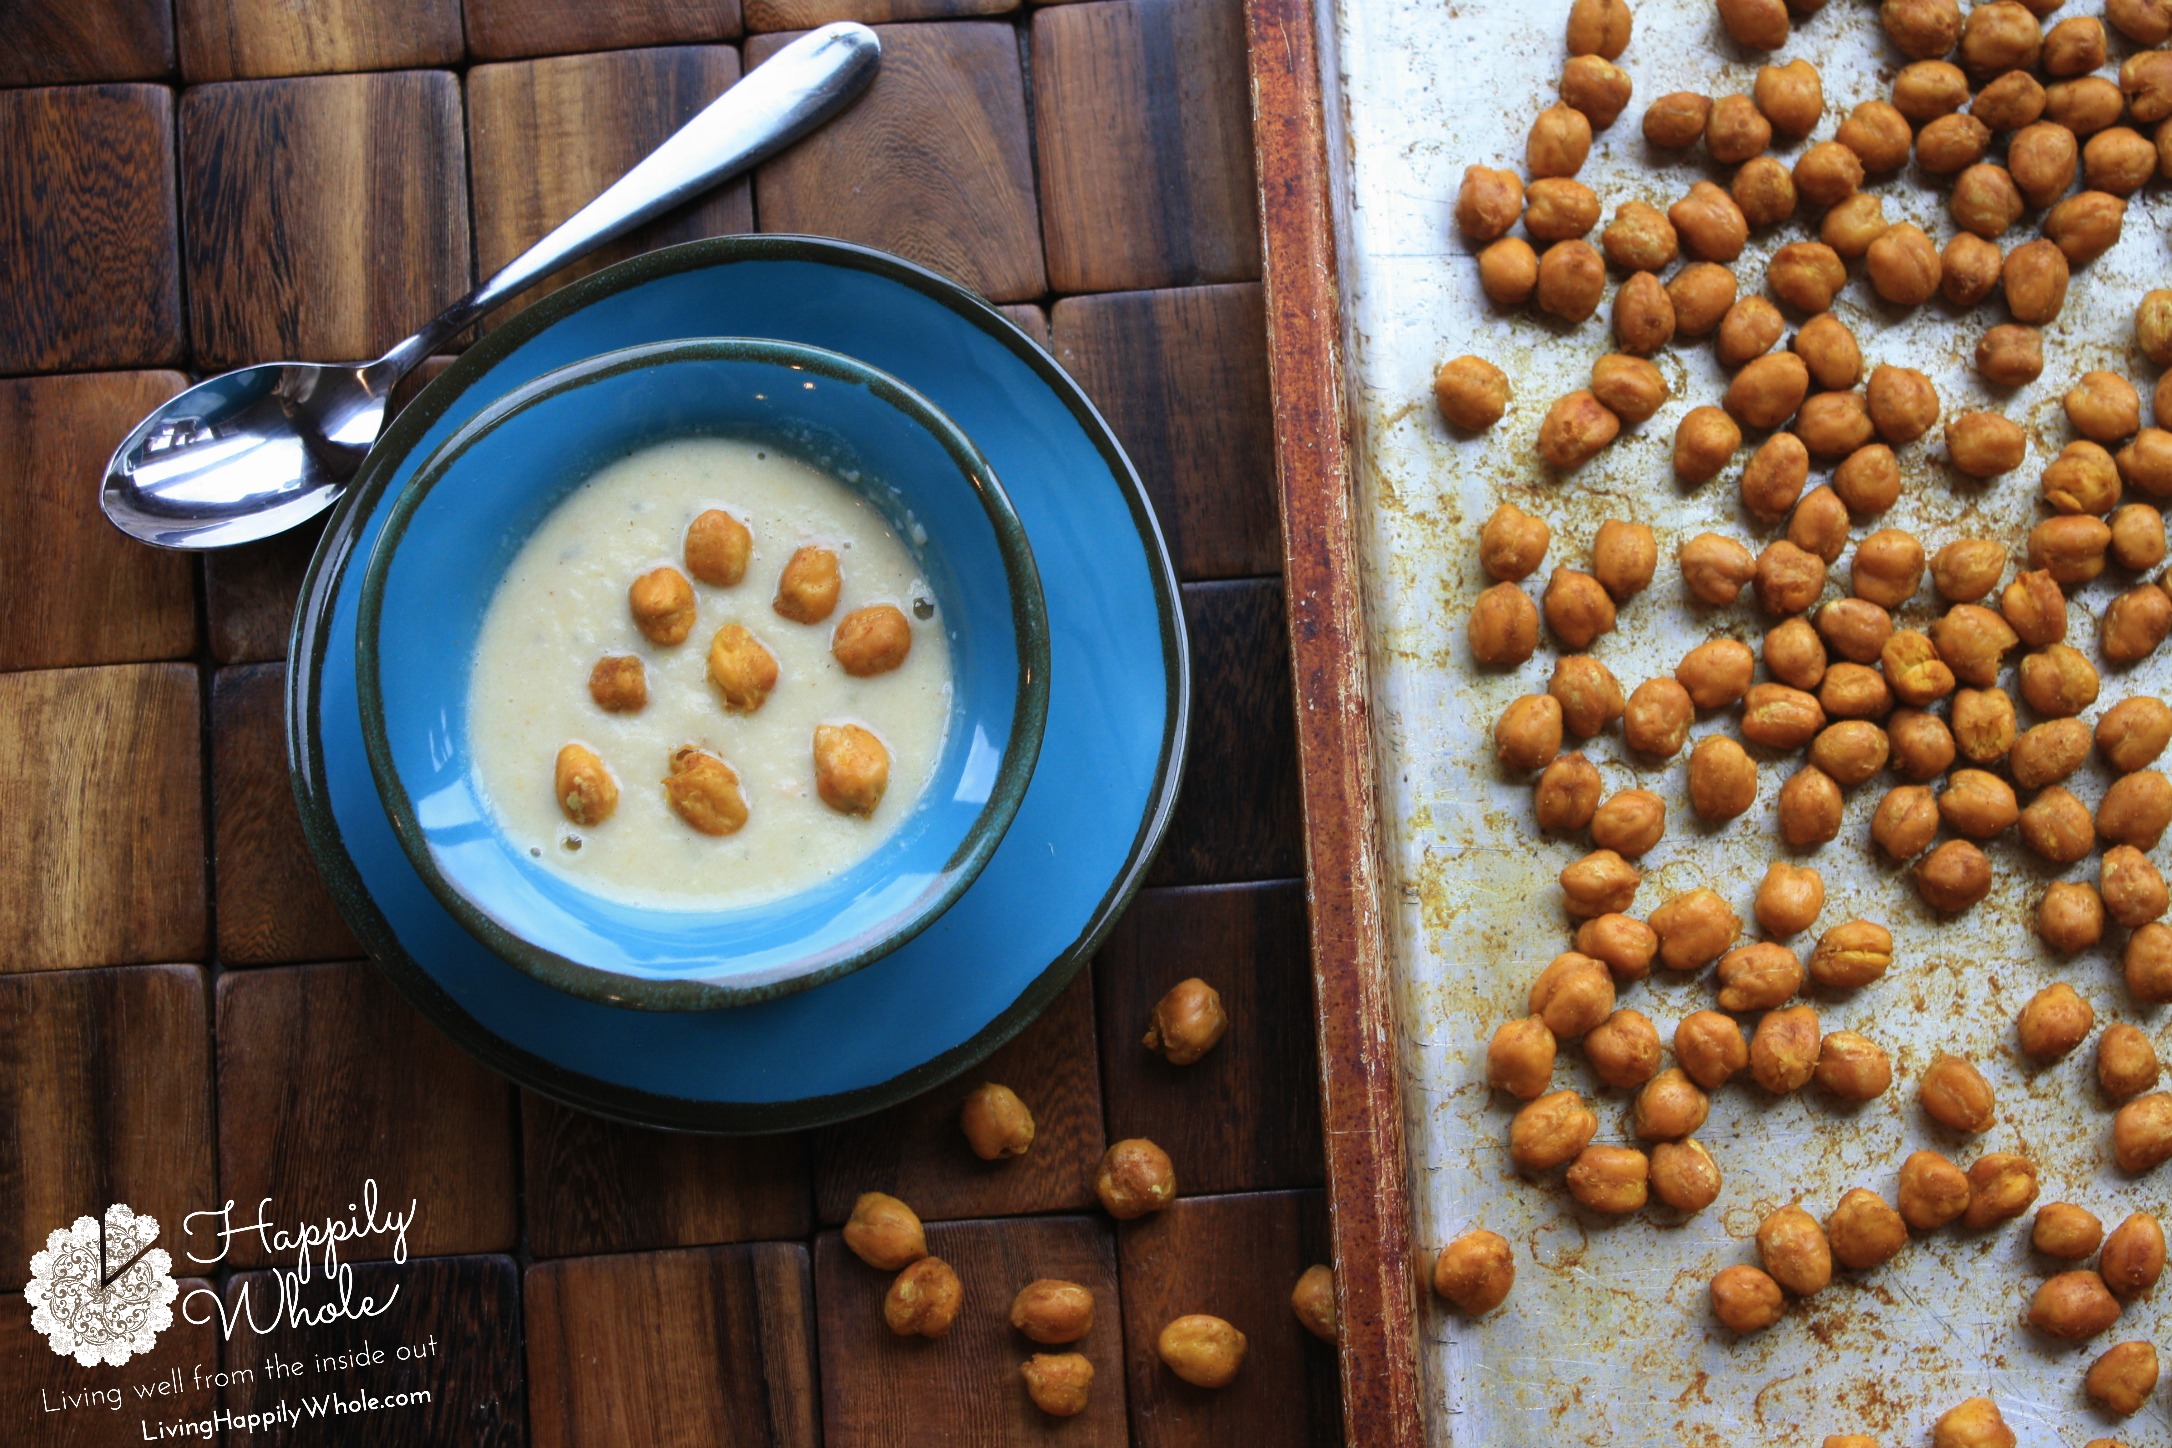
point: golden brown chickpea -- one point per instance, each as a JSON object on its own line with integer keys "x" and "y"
{"x": 1984, "y": 444}
{"x": 2035, "y": 277}
{"x": 2055, "y": 1021}
{"x": 2048, "y": 753}
{"x": 1985, "y": 200}
{"x": 1551, "y": 1131}
{"x": 1701, "y": 292}
{"x": 2058, "y": 682}
{"x": 1639, "y": 238}
{"x": 1850, "y": 751}
{"x": 2138, "y": 538}
{"x": 1789, "y": 899}
{"x": 872, "y": 640}
{"x": 1976, "y": 1423}
{"x": 1772, "y": 479}
{"x": 1599, "y": 27}
{"x": 1624, "y": 556}
{"x": 1765, "y": 191}
{"x": 1969, "y": 268}
{"x": 2161, "y": 399}
{"x": 1852, "y": 955}
{"x": 1313, "y": 1300}
{"x": 1921, "y": 745}
{"x": 2146, "y": 463}
{"x": 2074, "y": 46}
{"x": 583, "y": 786}
{"x": 851, "y": 768}
{"x": 1589, "y": 695}
{"x": 2146, "y": 79}
{"x": 1933, "y": 1191}
{"x": 1922, "y": 28}
{"x": 1508, "y": 271}
{"x": 2146, "y": 964}
{"x": 1597, "y": 87}
{"x": 1795, "y": 654}
{"x": 1766, "y": 392}
{"x": 1807, "y": 275}
{"x": 2001, "y": 1186}
{"x": 1571, "y": 280}
{"x": 1710, "y": 225}
{"x": 1560, "y": 139}
{"x": 1788, "y": 580}
{"x": 1780, "y": 717}
{"x": 1683, "y": 1175}
{"x": 663, "y": 606}
{"x": 997, "y": 1125}
{"x": 1905, "y": 822}
{"x": 1795, "y": 1251}
{"x": 1512, "y": 543}
{"x": 885, "y": 1233}
{"x": 1749, "y": 330}
{"x": 1187, "y": 1022}
{"x": 923, "y": 1301}
{"x": 1488, "y": 202}
{"x": 2035, "y": 608}
{"x": 1790, "y": 96}
{"x": 2082, "y": 479}
{"x": 1504, "y": 625}
{"x": 2136, "y": 809}
{"x": 1058, "y": 1383}
{"x": 1758, "y": 976}
{"x": 1834, "y": 424}
{"x": 2118, "y": 162}
{"x": 1736, "y": 130}
{"x": 1520, "y": 1058}
{"x": 2012, "y": 356}
{"x": 717, "y": 548}
{"x": 807, "y": 589}
{"x": 1053, "y": 1311}
{"x": 1853, "y": 225}
{"x": 1695, "y": 929}
{"x": 1931, "y": 87}
{"x": 1953, "y": 877}
{"x": 2133, "y": 732}
{"x": 1968, "y": 568}
{"x": 2085, "y": 226}
{"x": 1614, "y": 1180}
{"x": 1952, "y": 143}
{"x": 1472, "y": 393}
{"x": 1784, "y": 1049}
{"x": 2135, "y": 623}
{"x": 2073, "y": 1306}
{"x": 1904, "y": 265}
{"x": 2126, "y": 1065}
{"x": 1203, "y": 1350}
{"x": 2056, "y": 827}
{"x": 2145, "y": 22}
{"x": 1722, "y": 778}
{"x": 1717, "y": 672}
{"x": 2123, "y": 1378}
{"x": 1623, "y": 1049}
{"x": 1978, "y": 804}
{"x": 1704, "y": 442}
{"x": 2071, "y": 548}
{"x": 1643, "y": 315}
{"x": 1625, "y": 945}
{"x": 619, "y": 684}
{"x": 1887, "y": 568}
{"x": 2000, "y": 37}
{"x": 2012, "y": 101}
{"x": 2133, "y": 1256}
{"x": 1830, "y": 351}
{"x": 1711, "y": 1048}
{"x": 2066, "y": 1231}
{"x": 704, "y": 791}
{"x": 1864, "y": 1232}
{"x": 1677, "y": 120}
{"x": 1819, "y": 525}
{"x": 1630, "y": 823}
{"x": 1566, "y": 794}
{"x": 1903, "y": 404}
{"x": 1577, "y": 608}
{"x": 1475, "y": 1272}
{"x": 2153, "y": 326}
{"x": 1955, "y": 1094}
{"x": 1879, "y": 135}
{"x": 1656, "y": 720}
{"x": 1136, "y": 1177}
{"x": 2133, "y": 890}
{"x": 1629, "y": 387}
{"x": 1601, "y": 883}
{"x": 1828, "y": 173}
{"x": 1852, "y": 1068}
{"x": 2085, "y": 105}
{"x": 1576, "y": 429}
{"x": 1984, "y": 726}
{"x": 2069, "y": 918}
{"x": 1745, "y": 1299}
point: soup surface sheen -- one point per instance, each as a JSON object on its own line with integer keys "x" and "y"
{"x": 562, "y": 605}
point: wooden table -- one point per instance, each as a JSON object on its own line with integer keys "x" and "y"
{"x": 183, "y": 1019}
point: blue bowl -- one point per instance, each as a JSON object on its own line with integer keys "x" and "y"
{"x": 444, "y": 549}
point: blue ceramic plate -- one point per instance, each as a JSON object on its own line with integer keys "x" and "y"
{"x": 451, "y": 533}
{"x": 1100, "y": 797}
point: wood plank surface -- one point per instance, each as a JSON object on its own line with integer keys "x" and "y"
{"x": 594, "y": 116}
{"x": 933, "y": 162}
{"x": 1031, "y": 319}
{"x": 240, "y": 39}
{"x": 1237, "y": 817}
{"x": 33, "y": 1379}
{"x": 61, "y": 42}
{"x": 327, "y": 217}
{"x": 250, "y": 593}
{"x": 73, "y": 588}
{"x": 1145, "y": 158}
{"x": 1237, "y": 1257}
{"x": 917, "y": 1151}
{"x": 707, "y": 1348}
{"x": 805, "y": 14}
{"x": 963, "y": 1390}
{"x": 446, "y": 1329}
{"x": 105, "y": 839}
{"x": 90, "y": 253}
{"x": 1246, "y": 1116}
{"x": 105, "y": 1096}
{"x": 272, "y": 904}
{"x": 602, "y": 1186}
{"x": 1182, "y": 377}
{"x": 327, "y": 1078}
{"x": 510, "y": 29}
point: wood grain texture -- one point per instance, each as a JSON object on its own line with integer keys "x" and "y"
{"x": 326, "y": 1077}
{"x": 32, "y": 1376}
{"x": 240, "y": 39}
{"x": 327, "y": 217}
{"x": 1246, "y": 1116}
{"x": 73, "y": 588}
{"x": 272, "y": 905}
{"x": 104, "y": 839}
{"x": 1236, "y": 1257}
{"x": 806, "y": 14}
{"x": 916, "y": 1151}
{"x": 707, "y": 1348}
{"x": 600, "y": 1186}
{"x": 594, "y": 116}
{"x": 250, "y": 593}
{"x": 1237, "y": 817}
{"x": 510, "y": 29}
{"x": 59, "y": 42}
{"x": 1182, "y": 377}
{"x": 933, "y": 162}
{"x": 105, "y": 1096}
{"x": 461, "y": 1313}
{"x": 963, "y": 1390}
{"x": 1354, "y": 998}
{"x": 1146, "y": 162}
{"x": 1031, "y": 319}
{"x": 90, "y": 253}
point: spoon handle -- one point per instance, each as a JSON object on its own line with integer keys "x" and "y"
{"x": 791, "y": 93}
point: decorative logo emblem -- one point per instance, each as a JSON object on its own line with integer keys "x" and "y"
{"x": 100, "y": 1292}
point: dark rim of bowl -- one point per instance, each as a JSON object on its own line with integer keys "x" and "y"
{"x": 1029, "y": 621}
{"x": 310, "y": 636}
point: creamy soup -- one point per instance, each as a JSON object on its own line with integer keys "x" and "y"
{"x": 565, "y": 604}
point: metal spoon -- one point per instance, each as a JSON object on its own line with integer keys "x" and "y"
{"x": 254, "y": 452}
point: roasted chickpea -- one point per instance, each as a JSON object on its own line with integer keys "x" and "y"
{"x": 1643, "y": 315}
{"x": 1488, "y": 202}
{"x": 1520, "y": 1058}
{"x": 1795, "y": 1251}
{"x": 1819, "y": 525}
{"x": 1058, "y": 1383}
{"x": 1683, "y": 1175}
{"x": 1854, "y": 691}
{"x": 1931, "y": 87}
{"x": 1695, "y": 929}
{"x": 2073, "y": 1306}
{"x": 1475, "y": 1272}
{"x": 583, "y": 786}
{"x": 1976, "y": 1423}
{"x": 2034, "y": 607}
{"x": 1984, "y": 726}
{"x": 1187, "y": 1022}
{"x": 1952, "y": 143}
{"x": 717, "y": 548}
{"x": 1572, "y": 995}
{"x": 1577, "y": 608}
{"x": 1629, "y": 387}
{"x": 2035, "y": 277}
{"x": 2000, "y": 37}
{"x": 1933, "y": 1191}
{"x": 1512, "y": 543}
{"x": 1736, "y": 130}
{"x": 1745, "y": 1299}
{"x": 2056, "y": 827}
{"x": 2146, "y": 463}
{"x": 2138, "y": 537}
{"x": 1571, "y": 281}
{"x": 1053, "y": 1311}
{"x": 2085, "y": 226}
{"x": 2011, "y": 356}
{"x": 1984, "y": 444}
{"x": 704, "y": 791}
{"x": 1750, "y": 328}
{"x": 1656, "y": 720}
{"x": 1834, "y": 424}
{"x": 1135, "y": 1178}
{"x": 1597, "y": 87}
{"x": 1922, "y": 28}
{"x": 924, "y": 1300}
{"x": 2082, "y": 479}
{"x": 1863, "y": 1232}
{"x": 2123, "y": 1378}
{"x": 1710, "y": 225}
{"x": 2071, "y": 548}
{"x": 1921, "y": 745}
{"x": 1717, "y": 672}
{"x": 1780, "y": 717}
{"x": 2133, "y": 1256}
{"x": 1968, "y": 568}
{"x": 1701, "y": 292}
{"x": 997, "y": 1125}
{"x": 1828, "y": 173}
{"x": 1590, "y": 697}
{"x": 1953, "y": 877}
{"x": 2085, "y": 105}
{"x": 2012, "y": 101}
{"x": 2146, "y": 79}
{"x": 885, "y": 1233}
{"x": 1853, "y": 1068}
{"x": 872, "y": 640}
{"x": 1852, "y": 955}
{"x": 1795, "y": 655}
{"x": 1765, "y": 191}
{"x": 1955, "y": 1094}
{"x": 1677, "y": 120}
{"x": 2055, "y": 1021}
{"x": 2126, "y": 1065}
{"x": 2058, "y": 682}
{"x": 1202, "y": 1349}
{"x": 2145, "y": 22}
{"x": 1599, "y": 27}
{"x": 1567, "y": 794}
{"x": 1722, "y": 778}
{"x": 1559, "y": 141}
{"x": 1710, "y": 1048}
{"x": 2153, "y": 326}
{"x": 1704, "y": 442}
{"x": 1789, "y": 899}
{"x": 1850, "y": 752}
{"x": 1905, "y": 822}
{"x": 2048, "y": 753}
{"x": 1887, "y": 568}
{"x": 1624, "y": 944}
{"x": 1767, "y": 391}
{"x": 2135, "y": 623}
{"x": 2134, "y": 732}
{"x": 2136, "y": 809}
{"x": 2161, "y": 399}
{"x": 851, "y": 768}
{"x": 1969, "y": 269}
{"x": 662, "y": 602}
{"x": 2133, "y": 890}
{"x": 1853, "y": 225}
{"x": 1830, "y": 351}
{"x": 1772, "y": 479}
{"x": 1904, "y": 265}
{"x": 2074, "y": 46}
{"x": 1623, "y": 1049}
{"x": 2066, "y": 1231}
{"x": 1879, "y": 135}
{"x": 1503, "y": 627}
{"x": 1313, "y": 1300}
{"x": 619, "y": 684}
{"x": 1807, "y": 275}
{"x": 1508, "y": 271}
{"x": 1978, "y": 804}
{"x": 2116, "y": 163}
{"x": 2069, "y": 918}
{"x": 1601, "y": 883}
{"x": 1758, "y": 976}
{"x": 807, "y": 589}
{"x": 2104, "y": 407}
{"x": 1577, "y": 428}
{"x": 1614, "y": 1180}
{"x": 2146, "y": 964}
{"x": 2001, "y": 1186}
{"x": 1551, "y": 1131}
{"x": 1790, "y": 96}
{"x": 1623, "y": 556}
{"x": 1903, "y": 404}
{"x": 1471, "y": 392}
{"x": 1784, "y": 1049}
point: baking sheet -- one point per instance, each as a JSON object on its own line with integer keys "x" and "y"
{"x": 1608, "y": 1337}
